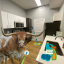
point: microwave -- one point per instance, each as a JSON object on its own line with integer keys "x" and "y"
{"x": 18, "y": 24}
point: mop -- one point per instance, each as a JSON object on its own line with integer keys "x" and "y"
{"x": 26, "y": 53}
{"x": 37, "y": 43}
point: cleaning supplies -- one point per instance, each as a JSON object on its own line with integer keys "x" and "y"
{"x": 54, "y": 57}
{"x": 50, "y": 49}
{"x": 26, "y": 53}
{"x": 38, "y": 44}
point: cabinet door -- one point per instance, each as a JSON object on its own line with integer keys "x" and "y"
{"x": 57, "y": 16}
{"x": 20, "y": 19}
{"x": 24, "y": 20}
{"x": 11, "y": 20}
{"x": 16, "y": 18}
{"x": 4, "y": 19}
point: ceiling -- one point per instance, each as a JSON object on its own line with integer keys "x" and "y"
{"x": 55, "y": 3}
{"x": 28, "y": 4}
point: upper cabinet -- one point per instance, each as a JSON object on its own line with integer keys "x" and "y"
{"x": 11, "y": 20}
{"x": 20, "y": 19}
{"x": 4, "y": 19}
{"x": 16, "y": 18}
{"x": 8, "y": 19}
{"x": 57, "y": 17}
{"x": 24, "y": 20}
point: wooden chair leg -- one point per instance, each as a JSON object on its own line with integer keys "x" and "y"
{"x": 5, "y": 59}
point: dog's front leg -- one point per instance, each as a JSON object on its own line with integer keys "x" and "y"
{"x": 12, "y": 58}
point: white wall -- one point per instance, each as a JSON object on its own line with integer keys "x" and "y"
{"x": 11, "y": 7}
{"x": 0, "y": 20}
{"x": 62, "y": 22}
{"x": 61, "y": 9}
{"x": 41, "y": 12}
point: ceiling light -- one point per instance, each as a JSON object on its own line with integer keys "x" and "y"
{"x": 38, "y": 2}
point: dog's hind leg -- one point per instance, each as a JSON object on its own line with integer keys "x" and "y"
{"x": 5, "y": 59}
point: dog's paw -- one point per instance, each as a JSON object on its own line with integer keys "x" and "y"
{"x": 7, "y": 58}
{"x": 3, "y": 61}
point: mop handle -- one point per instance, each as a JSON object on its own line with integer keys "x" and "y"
{"x": 35, "y": 36}
{"x": 23, "y": 59}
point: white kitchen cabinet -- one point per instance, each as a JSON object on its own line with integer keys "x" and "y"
{"x": 4, "y": 19}
{"x": 20, "y": 19}
{"x": 8, "y": 19}
{"x": 24, "y": 20}
{"x": 11, "y": 20}
{"x": 16, "y": 18}
{"x": 57, "y": 17}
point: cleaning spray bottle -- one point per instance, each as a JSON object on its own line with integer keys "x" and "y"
{"x": 54, "y": 57}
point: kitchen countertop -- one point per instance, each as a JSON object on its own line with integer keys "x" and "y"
{"x": 60, "y": 59}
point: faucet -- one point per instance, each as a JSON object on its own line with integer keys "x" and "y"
{"x": 62, "y": 39}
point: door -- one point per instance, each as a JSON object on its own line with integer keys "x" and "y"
{"x": 4, "y": 19}
{"x": 39, "y": 27}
